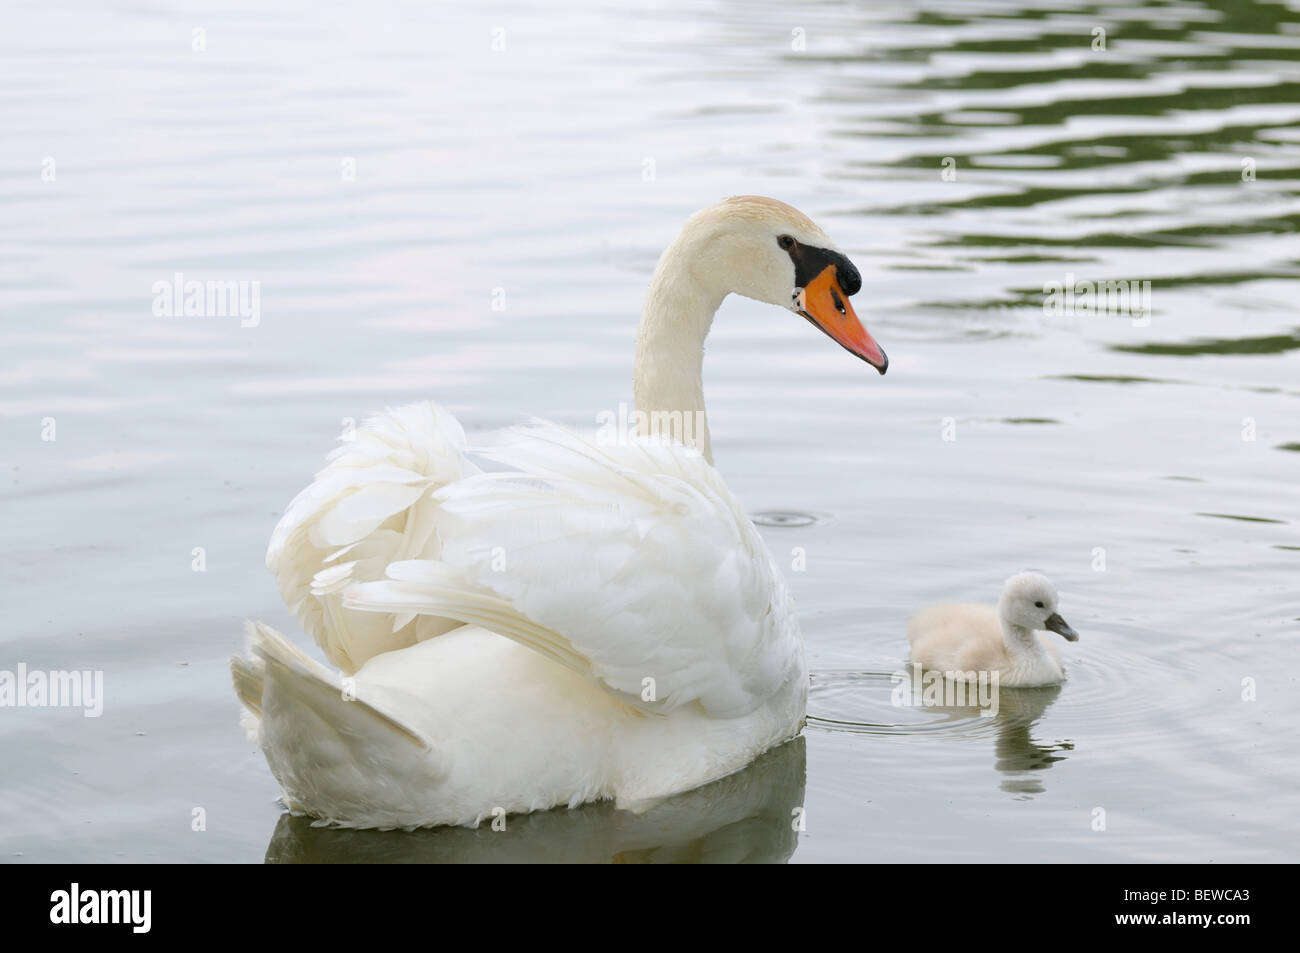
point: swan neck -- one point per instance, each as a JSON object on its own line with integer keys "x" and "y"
{"x": 668, "y": 383}
{"x": 1020, "y": 641}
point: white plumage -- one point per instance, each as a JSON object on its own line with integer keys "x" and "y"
{"x": 967, "y": 639}
{"x": 600, "y": 620}
{"x": 369, "y": 507}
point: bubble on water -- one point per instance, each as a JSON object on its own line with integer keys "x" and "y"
{"x": 787, "y": 518}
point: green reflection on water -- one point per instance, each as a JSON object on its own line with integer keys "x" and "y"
{"x": 1272, "y": 344}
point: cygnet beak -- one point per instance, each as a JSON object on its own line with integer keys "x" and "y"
{"x": 1062, "y": 628}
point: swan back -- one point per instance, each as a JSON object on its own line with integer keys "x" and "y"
{"x": 631, "y": 563}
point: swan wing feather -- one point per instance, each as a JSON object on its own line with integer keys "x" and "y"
{"x": 370, "y": 506}
{"x": 631, "y": 562}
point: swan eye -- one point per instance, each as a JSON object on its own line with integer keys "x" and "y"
{"x": 786, "y": 242}
{"x": 1039, "y": 604}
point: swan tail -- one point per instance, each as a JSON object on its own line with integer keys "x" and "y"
{"x": 246, "y": 674}
{"x": 338, "y": 754}
{"x": 298, "y": 680}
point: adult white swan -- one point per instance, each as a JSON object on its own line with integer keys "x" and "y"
{"x": 601, "y": 621}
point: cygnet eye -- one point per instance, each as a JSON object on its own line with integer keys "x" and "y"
{"x": 1039, "y": 604}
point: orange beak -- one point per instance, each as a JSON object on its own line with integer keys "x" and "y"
{"x": 824, "y": 304}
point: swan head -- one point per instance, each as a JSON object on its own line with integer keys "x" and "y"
{"x": 1029, "y": 601}
{"x": 769, "y": 251}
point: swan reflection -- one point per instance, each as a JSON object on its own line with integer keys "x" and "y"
{"x": 1016, "y": 754}
{"x": 744, "y": 818}
{"x": 903, "y": 703}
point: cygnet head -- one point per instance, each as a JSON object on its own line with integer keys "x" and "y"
{"x": 763, "y": 249}
{"x": 1029, "y": 601}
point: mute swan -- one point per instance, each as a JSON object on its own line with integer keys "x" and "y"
{"x": 965, "y": 637}
{"x": 604, "y": 622}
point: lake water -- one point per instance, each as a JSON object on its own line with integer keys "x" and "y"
{"x": 433, "y": 218}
